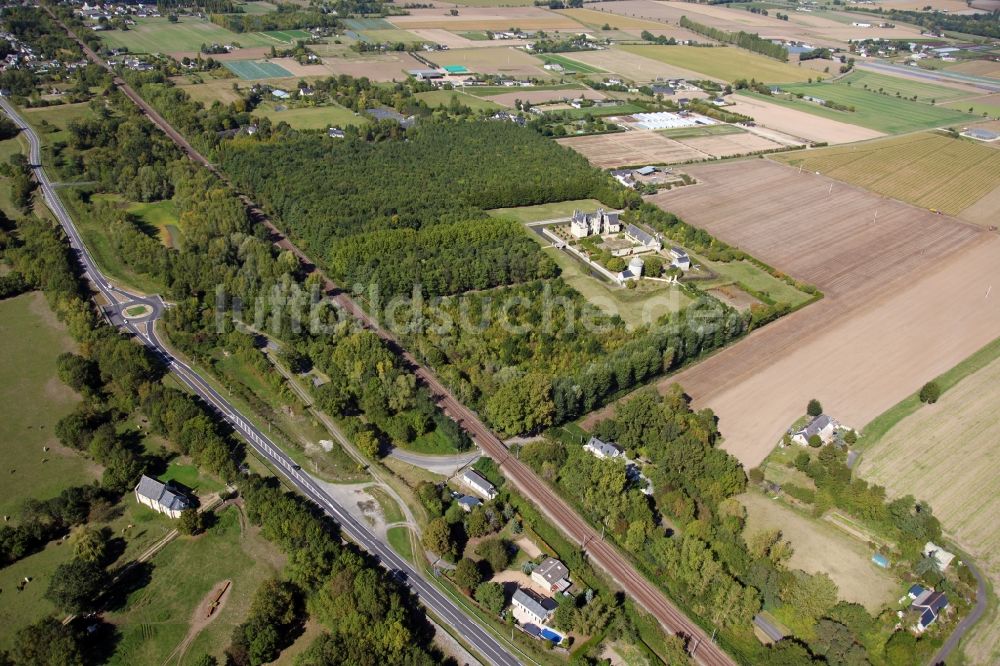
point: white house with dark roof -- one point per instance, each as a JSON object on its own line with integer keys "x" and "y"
{"x": 823, "y": 426}
{"x": 527, "y": 609}
{"x": 601, "y": 449}
{"x": 552, "y": 575}
{"x": 601, "y": 222}
{"x": 475, "y": 482}
{"x": 160, "y": 497}
{"x": 679, "y": 258}
{"x": 643, "y": 238}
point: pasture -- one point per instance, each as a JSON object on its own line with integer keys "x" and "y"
{"x": 940, "y": 453}
{"x": 164, "y": 620}
{"x": 32, "y": 401}
{"x": 287, "y": 36}
{"x": 310, "y": 117}
{"x": 984, "y": 104}
{"x": 884, "y": 113}
{"x": 635, "y": 148}
{"x": 595, "y": 111}
{"x": 162, "y": 216}
{"x": 725, "y": 63}
{"x": 492, "y": 60}
{"x": 569, "y": 65}
{"x": 52, "y": 122}
{"x": 818, "y": 547}
{"x": 907, "y": 88}
{"x": 249, "y": 70}
{"x": 926, "y": 169}
{"x": 211, "y": 91}
{"x": 158, "y": 35}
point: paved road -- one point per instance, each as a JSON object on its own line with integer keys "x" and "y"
{"x": 601, "y": 553}
{"x": 967, "y": 622}
{"x": 939, "y": 76}
{"x": 144, "y": 330}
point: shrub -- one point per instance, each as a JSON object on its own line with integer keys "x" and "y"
{"x": 814, "y": 408}
{"x": 930, "y": 392}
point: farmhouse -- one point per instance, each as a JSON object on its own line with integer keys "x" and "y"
{"x": 602, "y": 449}
{"x": 552, "y": 575}
{"x": 643, "y": 238}
{"x": 941, "y": 556}
{"x": 527, "y": 609}
{"x": 478, "y": 484}
{"x": 822, "y": 426}
{"x": 588, "y": 224}
{"x": 160, "y": 497}
{"x": 680, "y": 258}
{"x": 624, "y": 176}
{"x": 929, "y": 605}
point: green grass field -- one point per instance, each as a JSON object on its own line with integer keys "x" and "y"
{"x": 311, "y": 117}
{"x": 476, "y": 35}
{"x": 368, "y": 24}
{"x": 487, "y": 91}
{"x": 287, "y": 36}
{"x": 549, "y": 211}
{"x": 436, "y": 98}
{"x": 187, "y": 475}
{"x": 726, "y": 63}
{"x": 399, "y": 539}
{"x": 390, "y": 508}
{"x": 250, "y": 70}
{"x": 908, "y": 88}
{"x": 210, "y": 91}
{"x": 643, "y": 305}
{"x": 989, "y": 104}
{"x": 570, "y": 65}
{"x": 883, "y": 113}
{"x": 755, "y": 279}
{"x": 51, "y": 122}
{"x": 163, "y": 216}
{"x": 158, "y": 35}
{"x": 32, "y": 400}
{"x": 433, "y": 442}
{"x": 925, "y": 169}
{"x": 156, "y": 618}
{"x": 392, "y": 36}
{"x": 701, "y": 130}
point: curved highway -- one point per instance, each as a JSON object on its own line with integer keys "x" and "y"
{"x": 143, "y": 328}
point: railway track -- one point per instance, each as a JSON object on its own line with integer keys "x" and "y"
{"x": 601, "y": 553}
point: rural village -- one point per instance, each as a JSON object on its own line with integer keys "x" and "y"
{"x": 497, "y": 332}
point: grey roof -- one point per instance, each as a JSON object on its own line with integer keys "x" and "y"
{"x": 979, "y": 133}
{"x": 385, "y": 113}
{"x": 636, "y": 262}
{"x": 161, "y": 493}
{"x": 640, "y": 235}
{"x": 646, "y": 170}
{"x": 612, "y": 217}
{"x": 552, "y": 570}
{"x": 425, "y": 73}
{"x": 815, "y": 426}
{"x": 474, "y": 479}
{"x": 469, "y": 501}
{"x": 533, "y": 605}
{"x": 608, "y": 449}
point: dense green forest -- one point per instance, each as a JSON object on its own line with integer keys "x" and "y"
{"x": 749, "y": 41}
{"x": 444, "y": 173}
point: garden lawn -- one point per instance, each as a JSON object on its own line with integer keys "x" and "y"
{"x": 311, "y": 117}
{"x": 159, "y": 35}
{"x": 32, "y": 401}
{"x": 550, "y": 211}
{"x": 726, "y": 63}
{"x": 883, "y": 113}
{"x": 156, "y": 618}
{"x": 399, "y": 540}
{"x": 187, "y": 475}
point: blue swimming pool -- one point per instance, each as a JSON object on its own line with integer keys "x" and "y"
{"x": 550, "y": 635}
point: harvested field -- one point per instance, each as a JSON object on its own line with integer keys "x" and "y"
{"x": 780, "y": 216}
{"x": 539, "y": 96}
{"x": 727, "y": 63}
{"x": 730, "y": 144}
{"x": 900, "y": 306}
{"x": 634, "y": 66}
{"x": 799, "y": 123}
{"x": 928, "y": 170}
{"x": 485, "y": 18}
{"x": 978, "y": 68}
{"x": 631, "y": 148}
{"x": 495, "y": 60}
{"x": 918, "y": 456}
{"x": 818, "y": 547}
{"x": 387, "y": 67}
{"x": 453, "y": 41}
{"x": 628, "y": 24}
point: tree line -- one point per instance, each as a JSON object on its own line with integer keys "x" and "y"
{"x": 745, "y": 40}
